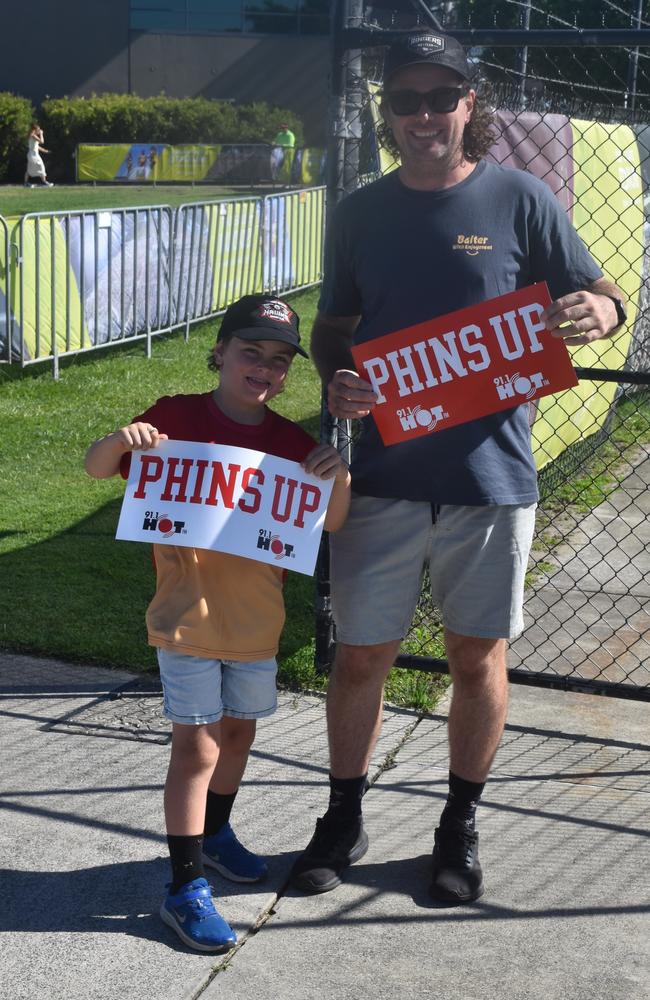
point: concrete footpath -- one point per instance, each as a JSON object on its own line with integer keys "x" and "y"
{"x": 565, "y": 837}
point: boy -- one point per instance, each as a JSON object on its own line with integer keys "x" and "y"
{"x": 216, "y": 618}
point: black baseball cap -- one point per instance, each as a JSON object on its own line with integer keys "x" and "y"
{"x": 262, "y": 317}
{"x": 432, "y": 47}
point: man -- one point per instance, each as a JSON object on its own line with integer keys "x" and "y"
{"x": 285, "y": 137}
{"x": 462, "y": 498}
{"x": 284, "y": 140}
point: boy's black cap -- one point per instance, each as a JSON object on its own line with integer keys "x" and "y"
{"x": 262, "y": 317}
{"x": 431, "y": 47}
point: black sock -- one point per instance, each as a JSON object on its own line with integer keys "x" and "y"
{"x": 186, "y": 856}
{"x": 345, "y": 798}
{"x": 217, "y": 812}
{"x": 462, "y": 800}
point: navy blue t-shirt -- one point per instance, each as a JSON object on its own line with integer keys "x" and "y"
{"x": 397, "y": 257}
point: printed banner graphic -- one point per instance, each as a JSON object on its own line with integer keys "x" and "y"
{"x": 234, "y": 500}
{"x": 220, "y": 163}
{"x": 464, "y": 365}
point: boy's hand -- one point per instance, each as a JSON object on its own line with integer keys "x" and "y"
{"x": 325, "y": 462}
{"x": 104, "y": 456}
{"x": 139, "y": 437}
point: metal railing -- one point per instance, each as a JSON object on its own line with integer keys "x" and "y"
{"x": 80, "y": 281}
{"x": 216, "y": 256}
{"x": 292, "y": 239}
{"x": 6, "y": 322}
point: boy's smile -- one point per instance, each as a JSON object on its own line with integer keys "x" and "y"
{"x": 251, "y": 373}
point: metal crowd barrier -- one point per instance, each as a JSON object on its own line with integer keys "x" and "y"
{"x": 86, "y": 280}
{"x": 6, "y": 326}
{"x": 217, "y": 256}
{"x": 80, "y": 281}
{"x": 288, "y": 266}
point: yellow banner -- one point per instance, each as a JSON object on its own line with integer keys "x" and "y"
{"x": 608, "y": 215}
{"x": 145, "y": 163}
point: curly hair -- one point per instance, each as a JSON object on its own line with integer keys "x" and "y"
{"x": 478, "y": 136}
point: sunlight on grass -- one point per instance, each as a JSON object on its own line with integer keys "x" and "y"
{"x": 17, "y": 200}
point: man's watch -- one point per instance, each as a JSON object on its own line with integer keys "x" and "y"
{"x": 621, "y": 314}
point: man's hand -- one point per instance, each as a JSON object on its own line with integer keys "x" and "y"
{"x": 581, "y": 317}
{"x": 349, "y": 396}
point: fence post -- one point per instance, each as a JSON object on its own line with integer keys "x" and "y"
{"x": 324, "y": 644}
{"x": 265, "y": 242}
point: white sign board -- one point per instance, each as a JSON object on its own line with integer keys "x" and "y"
{"x": 235, "y": 500}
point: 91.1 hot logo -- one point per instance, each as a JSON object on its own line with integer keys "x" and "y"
{"x": 154, "y": 521}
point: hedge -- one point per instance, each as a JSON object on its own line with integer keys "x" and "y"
{"x": 16, "y": 117}
{"x": 128, "y": 118}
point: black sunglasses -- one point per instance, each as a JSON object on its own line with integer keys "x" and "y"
{"x": 442, "y": 100}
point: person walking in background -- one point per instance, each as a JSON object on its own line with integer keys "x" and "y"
{"x": 463, "y": 499}
{"x": 285, "y": 137}
{"x": 216, "y": 618}
{"x": 284, "y": 140}
{"x": 35, "y": 171}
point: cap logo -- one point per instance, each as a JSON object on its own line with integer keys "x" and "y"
{"x": 276, "y": 311}
{"x": 426, "y": 44}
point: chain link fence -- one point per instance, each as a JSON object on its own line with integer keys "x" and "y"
{"x": 572, "y": 106}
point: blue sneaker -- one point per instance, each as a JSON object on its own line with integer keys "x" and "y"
{"x": 224, "y": 852}
{"x": 192, "y": 914}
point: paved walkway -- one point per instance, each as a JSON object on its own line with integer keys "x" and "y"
{"x": 565, "y": 835}
{"x": 588, "y": 615}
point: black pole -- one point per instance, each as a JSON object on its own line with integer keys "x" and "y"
{"x": 324, "y": 626}
{"x": 633, "y": 63}
{"x": 353, "y": 102}
{"x": 346, "y": 103}
{"x": 523, "y": 58}
{"x": 336, "y": 141}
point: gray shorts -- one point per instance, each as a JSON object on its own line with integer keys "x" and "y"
{"x": 477, "y": 561}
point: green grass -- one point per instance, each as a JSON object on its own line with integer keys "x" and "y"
{"x": 17, "y": 200}
{"x": 71, "y": 590}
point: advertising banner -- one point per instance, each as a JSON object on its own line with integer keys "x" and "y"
{"x": 218, "y": 163}
{"x": 464, "y": 365}
{"x": 232, "y": 500}
{"x": 143, "y": 163}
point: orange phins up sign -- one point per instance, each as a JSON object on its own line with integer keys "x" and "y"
{"x": 464, "y": 365}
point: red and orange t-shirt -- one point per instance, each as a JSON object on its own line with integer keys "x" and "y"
{"x": 210, "y": 603}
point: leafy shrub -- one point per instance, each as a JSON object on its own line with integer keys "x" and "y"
{"x": 67, "y": 122}
{"x": 16, "y": 117}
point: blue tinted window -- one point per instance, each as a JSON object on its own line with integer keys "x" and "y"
{"x": 150, "y": 20}
{"x": 158, "y": 6}
{"x": 226, "y": 21}
{"x": 271, "y": 9}
{"x": 214, "y": 7}
{"x": 271, "y": 24}
{"x": 286, "y": 17}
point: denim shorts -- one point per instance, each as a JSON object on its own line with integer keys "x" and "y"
{"x": 477, "y": 559}
{"x": 198, "y": 691}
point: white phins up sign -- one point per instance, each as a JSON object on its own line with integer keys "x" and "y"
{"x": 234, "y": 500}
